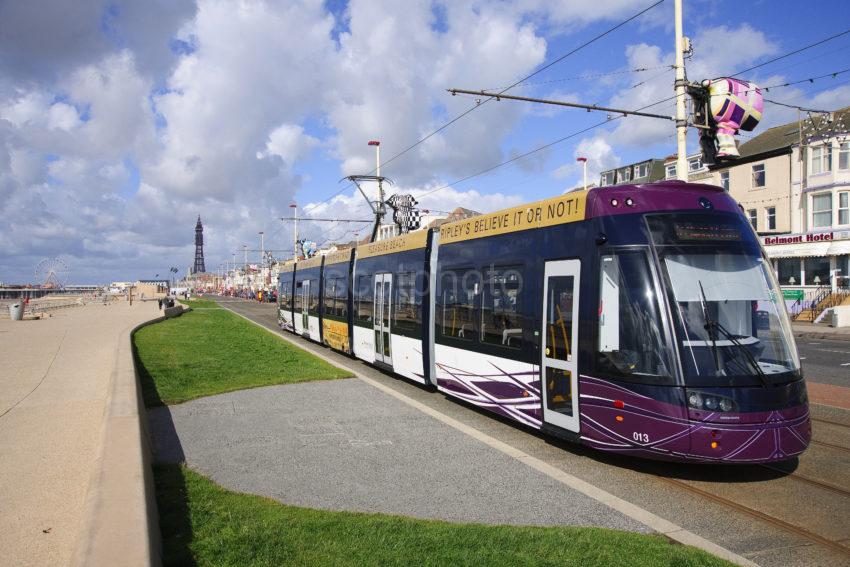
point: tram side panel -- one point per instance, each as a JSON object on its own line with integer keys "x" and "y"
{"x": 336, "y": 301}
{"x": 389, "y": 291}
{"x": 407, "y": 333}
{"x": 306, "y": 301}
{"x": 485, "y": 316}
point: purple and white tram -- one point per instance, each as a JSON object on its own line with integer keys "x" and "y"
{"x": 643, "y": 320}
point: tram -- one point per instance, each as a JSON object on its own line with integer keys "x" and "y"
{"x": 643, "y": 320}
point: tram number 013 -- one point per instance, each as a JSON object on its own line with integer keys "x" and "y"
{"x": 640, "y": 437}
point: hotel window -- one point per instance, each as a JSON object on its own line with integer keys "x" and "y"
{"x": 753, "y": 214}
{"x": 758, "y": 176}
{"x": 816, "y": 270}
{"x": 822, "y": 210}
{"x": 641, "y": 170}
{"x": 789, "y": 271}
{"x": 821, "y": 159}
{"x": 724, "y": 180}
{"x": 771, "y": 218}
{"x": 844, "y": 208}
{"x": 694, "y": 164}
{"x": 844, "y": 156}
{"x": 671, "y": 171}
{"x": 627, "y": 174}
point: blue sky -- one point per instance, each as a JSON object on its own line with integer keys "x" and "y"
{"x": 121, "y": 121}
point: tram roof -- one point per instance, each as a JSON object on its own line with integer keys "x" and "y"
{"x": 313, "y": 262}
{"x": 569, "y": 207}
{"x": 410, "y": 241}
{"x": 338, "y": 257}
{"x": 585, "y": 204}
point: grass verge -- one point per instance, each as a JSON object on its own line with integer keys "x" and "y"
{"x": 199, "y": 302}
{"x": 204, "y": 524}
{"x": 207, "y": 352}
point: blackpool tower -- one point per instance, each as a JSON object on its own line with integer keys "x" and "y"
{"x": 199, "y": 248}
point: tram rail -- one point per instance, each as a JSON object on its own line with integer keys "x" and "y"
{"x": 767, "y": 518}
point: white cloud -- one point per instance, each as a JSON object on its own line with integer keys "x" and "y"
{"x": 289, "y": 142}
{"x": 600, "y": 156}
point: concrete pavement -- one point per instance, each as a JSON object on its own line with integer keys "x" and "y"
{"x": 340, "y": 445}
{"x": 57, "y": 378}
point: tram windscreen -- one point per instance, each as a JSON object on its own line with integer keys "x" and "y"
{"x": 731, "y": 321}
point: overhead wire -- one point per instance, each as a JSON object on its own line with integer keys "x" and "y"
{"x": 515, "y": 158}
{"x": 794, "y": 52}
{"x": 479, "y": 105}
{"x": 584, "y": 130}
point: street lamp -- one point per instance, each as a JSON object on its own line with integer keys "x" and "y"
{"x": 583, "y": 160}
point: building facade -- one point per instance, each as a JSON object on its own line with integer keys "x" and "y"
{"x": 795, "y": 189}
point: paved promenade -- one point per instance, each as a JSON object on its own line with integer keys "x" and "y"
{"x": 54, "y": 384}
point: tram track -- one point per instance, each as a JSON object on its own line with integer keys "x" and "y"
{"x": 831, "y": 446}
{"x": 830, "y": 422}
{"x": 766, "y": 518}
{"x": 809, "y": 480}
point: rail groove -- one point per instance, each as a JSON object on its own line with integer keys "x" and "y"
{"x": 767, "y": 518}
{"x": 810, "y": 480}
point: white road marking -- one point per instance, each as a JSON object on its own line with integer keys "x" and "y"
{"x": 802, "y": 358}
{"x": 846, "y": 364}
{"x": 830, "y": 350}
{"x": 645, "y": 517}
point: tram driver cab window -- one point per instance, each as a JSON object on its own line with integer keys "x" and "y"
{"x": 631, "y": 344}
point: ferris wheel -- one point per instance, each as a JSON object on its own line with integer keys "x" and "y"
{"x": 52, "y": 273}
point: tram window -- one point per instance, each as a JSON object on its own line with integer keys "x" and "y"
{"x": 341, "y": 296}
{"x": 297, "y": 297}
{"x": 501, "y": 321}
{"x": 559, "y": 318}
{"x": 406, "y": 310}
{"x": 329, "y": 296}
{"x": 630, "y": 334}
{"x": 459, "y": 289}
{"x": 364, "y": 295}
{"x": 313, "y": 306}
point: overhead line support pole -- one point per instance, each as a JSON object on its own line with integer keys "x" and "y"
{"x": 681, "y": 85}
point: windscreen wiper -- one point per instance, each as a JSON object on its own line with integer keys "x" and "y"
{"x": 710, "y": 327}
{"x": 747, "y": 354}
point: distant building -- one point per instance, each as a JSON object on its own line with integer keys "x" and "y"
{"x": 645, "y": 171}
{"x": 199, "y": 267}
{"x": 697, "y": 171}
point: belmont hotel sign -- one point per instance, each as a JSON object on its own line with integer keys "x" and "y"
{"x": 834, "y": 243}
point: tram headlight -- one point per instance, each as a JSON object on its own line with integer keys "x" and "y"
{"x": 709, "y": 402}
{"x": 695, "y": 400}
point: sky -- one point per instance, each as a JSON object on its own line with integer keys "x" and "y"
{"x": 122, "y": 121}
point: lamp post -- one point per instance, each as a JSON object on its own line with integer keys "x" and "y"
{"x": 294, "y": 208}
{"x": 583, "y": 161}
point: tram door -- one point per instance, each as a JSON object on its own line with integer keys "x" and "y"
{"x": 305, "y": 304}
{"x": 559, "y": 367}
{"x": 381, "y": 317}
